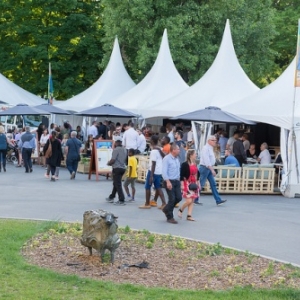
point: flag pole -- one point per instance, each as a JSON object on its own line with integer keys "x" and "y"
{"x": 50, "y": 87}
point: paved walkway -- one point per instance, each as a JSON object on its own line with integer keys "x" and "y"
{"x": 266, "y": 225}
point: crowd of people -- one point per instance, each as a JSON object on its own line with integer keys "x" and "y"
{"x": 51, "y": 148}
{"x": 238, "y": 150}
{"x": 173, "y": 164}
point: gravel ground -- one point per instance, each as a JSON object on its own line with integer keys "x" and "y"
{"x": 172, "y": 262}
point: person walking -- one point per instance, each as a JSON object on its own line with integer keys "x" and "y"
{"x": 118, "y": 163}
{"x": 189, "y": 178}
{"x": 56, "y": 153}
{"x": 154, "y": 175}
{"x": 171, "y": 176}
{"x": 27, "y": 143}
{"x": 131, "y": 175}
{"x": 3, "y": 148}
{"x": 207, "y": 172}
{"x": 72, "y": 152}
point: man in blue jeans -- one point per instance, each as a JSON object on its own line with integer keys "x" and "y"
{"x": 171, "y": 176}
{"x": 207, "y": 172}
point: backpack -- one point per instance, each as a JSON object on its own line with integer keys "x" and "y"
{"x": 3, "y": 142}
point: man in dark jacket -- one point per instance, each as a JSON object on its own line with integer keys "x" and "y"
{"x": 239, "y": 150}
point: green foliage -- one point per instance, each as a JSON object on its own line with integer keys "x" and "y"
{"x": 127, "y": 229}
{"x": 268, "y": 271}
{"x": 195, "y": 30}
{"x": 215, "y": 249}
{"x": 65, "y": 33}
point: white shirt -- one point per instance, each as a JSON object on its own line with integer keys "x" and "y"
{"x": 155, "y": 156}
{"x": 141, "y": 143}
{"x": 265, "y": 157}
{"x": 171, "y": 136}
{"x": 230, "y": 142}
{"x": 207, "y": 156}
{"x": 190, "y": 136}
{"x": 93, "y": 131}
{"x": 44, "y": 139}
{"x": 130, "y": 139}
{"x": 246, "y": 145}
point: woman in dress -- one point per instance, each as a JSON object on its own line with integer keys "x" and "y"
{"x": 189, "y": 174}
{"x": 88, "y": 146}
{"x": 55, "y": 158}
{"x": 43, "y": 140}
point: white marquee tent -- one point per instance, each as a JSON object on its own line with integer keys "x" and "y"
{"x": 225, "y": 82}
{"x": 161, "y": 83}
{"x": 274, "y": 105}
{"x": 12, "y": 94}
{"x": 113, "y": 82}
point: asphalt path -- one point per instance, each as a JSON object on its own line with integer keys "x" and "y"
{"x": 267, "y": 225}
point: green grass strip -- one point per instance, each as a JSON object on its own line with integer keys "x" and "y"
{"x": 19, "y": 280}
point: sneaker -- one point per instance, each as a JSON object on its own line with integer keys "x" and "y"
{"x": 120, "y": 203}
{"x": 153, "y": 203}
{"x": 221, "y": 202}
{"x": 131, "y": 200}
{"x": 172, "y": 221}
{"x": 53, "y": 178}
{"x": 145, "y": 206}
{"x": 47, "y": 176}
{"x": 56, "y": 177}
{"x": 110, "y": 200}
{"x": 198, "y": 203}
{"x": 72, "y": 175}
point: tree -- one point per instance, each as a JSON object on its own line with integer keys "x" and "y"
{"x": 195, "y": 30}
{"x": 286, "y": 18}
{"x": 66, "y": 33}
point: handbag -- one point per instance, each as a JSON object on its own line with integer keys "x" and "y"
{"x": 49, "y": 150}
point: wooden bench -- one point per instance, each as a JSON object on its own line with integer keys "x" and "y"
{"x": 245, "y": 180}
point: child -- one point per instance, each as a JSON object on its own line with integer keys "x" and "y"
{"x": 131, "y": 175}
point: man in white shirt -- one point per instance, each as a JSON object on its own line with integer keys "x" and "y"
{"x": 141, "y": 142}
{"x": 264, "y": 156}
{"x": 207, "y": 172}
{"x": 231, "y": 140}
{"x": 130, "y": 138}
{"x": 93, "y": 130}
{"x": 154, "y": 174}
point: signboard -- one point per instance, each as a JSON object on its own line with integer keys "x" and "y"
{"x": 101, "y": 155}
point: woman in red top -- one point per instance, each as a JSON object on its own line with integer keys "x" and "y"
{"x": 189, "y": 174}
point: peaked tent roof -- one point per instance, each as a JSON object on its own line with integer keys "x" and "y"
{"x": 274, "y": 103}
{"x": 162, "y": 82}
{"x": 12, "y": 94}
{"x": 113, "y": 82}
{"x": 225, "y": 82}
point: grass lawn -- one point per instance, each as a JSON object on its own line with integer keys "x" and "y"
{"x": 19, "y": 280}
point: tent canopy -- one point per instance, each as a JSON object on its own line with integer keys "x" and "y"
{"x": 113, "y": 82}
{"x": 225, "y": 82}
{"x": 274, "y": 103}
{"x": 161, "y": 83}
{"x": 12, "y": 94}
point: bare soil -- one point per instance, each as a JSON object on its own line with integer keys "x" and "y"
{"x": 172, "y": 262}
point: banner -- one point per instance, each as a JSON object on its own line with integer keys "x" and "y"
{"x": 297, "y": 72}
{"x": 50, "y": 87}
